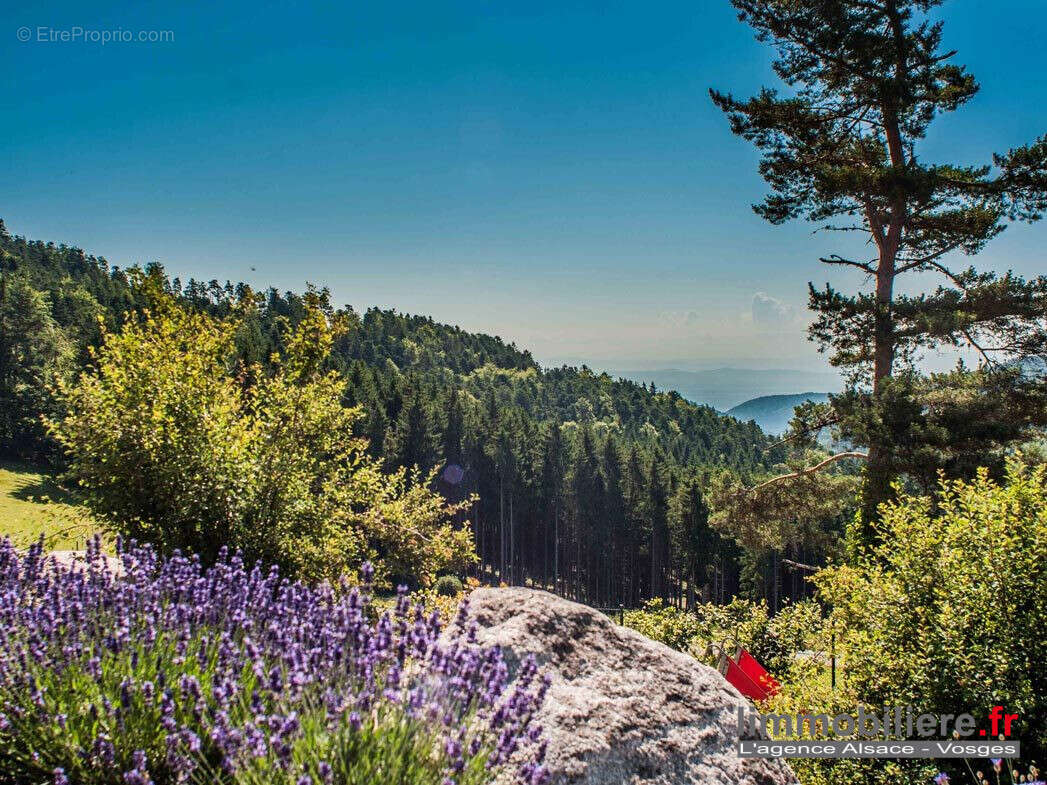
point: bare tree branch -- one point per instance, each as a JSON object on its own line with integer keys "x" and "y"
{"x": 833, "y": 420}
{"x": 970, "y": 339}
{"x": 839, "y": 260}
{"x": 851, "y": 228}
{"x": 799, "y": 565}
{"x": 928, "y": 261}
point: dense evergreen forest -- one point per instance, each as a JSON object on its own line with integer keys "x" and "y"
{"x": 584, "y": 484}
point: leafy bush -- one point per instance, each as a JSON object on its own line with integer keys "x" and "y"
{"x": 670, "y": 625}
{"x": 807, "y": 688}
{"x": 171, "y": 672}
{"x": 448, "y": 586}
{"x": 798, "y": 627}
{"x": 175, "y": 446}
{"x": 939, "y": 618}
{"x": 950, "y": 613}
{"x": 772, "y": 640}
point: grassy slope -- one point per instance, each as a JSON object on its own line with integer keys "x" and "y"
{"x": 32, "y": 503}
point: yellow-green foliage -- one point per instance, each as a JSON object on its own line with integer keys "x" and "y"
{"x": 951, "y": 613}
{"x": 175, "y": 444}
{"x": 772, "y": 640}
{"x": 807, "y": 688}
{"x": 670, "y": 625}
{"x": 949, "y": 617}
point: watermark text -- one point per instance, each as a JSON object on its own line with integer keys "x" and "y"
{"x": 45, "y": 34}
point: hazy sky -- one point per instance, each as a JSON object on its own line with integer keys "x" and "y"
{"x": 550, "y": 172}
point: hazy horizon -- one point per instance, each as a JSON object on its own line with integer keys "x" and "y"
{"x": 718, "y": 356}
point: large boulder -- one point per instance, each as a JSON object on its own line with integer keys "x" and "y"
{"x": 622, "y": 709}
{"x": 77, "y": 560}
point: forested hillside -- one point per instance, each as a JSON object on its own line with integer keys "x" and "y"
{"x": 585, "y": 483}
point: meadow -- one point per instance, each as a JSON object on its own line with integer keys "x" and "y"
{"x": 34, "y": 504}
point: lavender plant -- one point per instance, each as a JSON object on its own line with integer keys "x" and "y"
{"x": 169, "y": 672}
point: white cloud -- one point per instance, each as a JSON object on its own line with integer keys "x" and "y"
{"x": 690, "y": 318}
{"x": 769, "y": 311}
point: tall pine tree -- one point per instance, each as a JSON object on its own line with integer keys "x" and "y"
{"x": 843, "y": 149}
{"x": 658, "y": 510}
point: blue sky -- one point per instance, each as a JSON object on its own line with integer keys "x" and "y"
{"x": 550, "y": 172}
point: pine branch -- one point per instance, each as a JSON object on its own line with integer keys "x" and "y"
{"x": 983, "y": 352}
{"x": 809, "y": 469}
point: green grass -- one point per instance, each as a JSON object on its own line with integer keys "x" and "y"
{"x": 33, "y": 504}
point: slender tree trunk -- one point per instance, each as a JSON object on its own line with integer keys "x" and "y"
{"x": 878, "y": 473}
{"x": 556, "y": 549}
{"x": 501, "y": 530}
{"x": 775, "y": 582}
{"x": 636, "y": 570}
{"x": 544, "y": 558}
{"x": 692, "y": 580}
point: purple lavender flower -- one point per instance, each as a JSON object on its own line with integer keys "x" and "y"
{"x": 366, "y": 573}
{"x": 229, "y": 659}
{"x": 139, "y": 775}
{"x": 354, "y": 720}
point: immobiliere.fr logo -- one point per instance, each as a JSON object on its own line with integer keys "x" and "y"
{"x": 893, "y": 732}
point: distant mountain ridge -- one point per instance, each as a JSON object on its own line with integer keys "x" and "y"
{"x": 724, "y": 388}
{"x": 773, "y": 412}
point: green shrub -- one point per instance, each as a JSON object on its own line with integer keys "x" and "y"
{"x": 669, "y": 625}
{"x": 950, "y": 613}
{"x": 772, "y": 640}
{"x": 947, "y": 617}
{"x": 448, "y": 586}
{"x": 175, "y": 445}
{"x": 798, "y": 627}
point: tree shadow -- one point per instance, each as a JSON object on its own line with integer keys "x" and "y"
{"x": 43, "y": 488}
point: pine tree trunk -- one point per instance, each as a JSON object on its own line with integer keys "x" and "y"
{"x": 887, "y": 233}
{"x": 545, "y": 556}
{"x": 501, "y": 530}
{"x": 556, "y": 549}
{"x": 878, "y": 473}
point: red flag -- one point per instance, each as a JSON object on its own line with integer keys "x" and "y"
{"x": 740, "y": 680}
{"x": 755, "y": 671}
